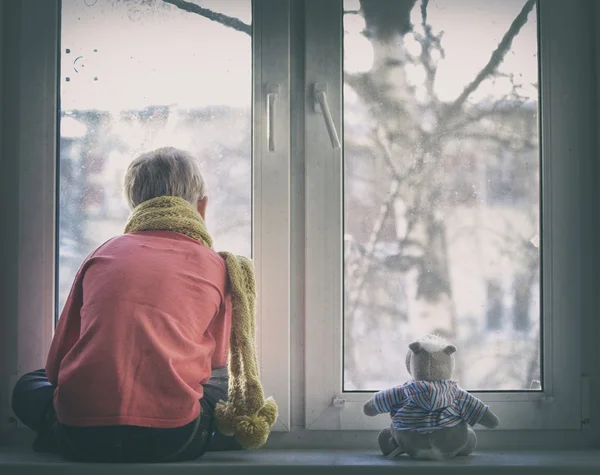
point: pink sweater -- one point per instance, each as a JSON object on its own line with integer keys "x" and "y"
{"x": 146, "y": 320}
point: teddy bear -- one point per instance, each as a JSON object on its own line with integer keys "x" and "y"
{"x": 432, "y": 417}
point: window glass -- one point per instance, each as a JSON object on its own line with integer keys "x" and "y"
{"x": 442, "y": 189}
{"x": 141, "y": 74}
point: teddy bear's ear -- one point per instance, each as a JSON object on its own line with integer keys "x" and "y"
{"x": 450, "y": 349}
{"x": 415, "y": 346}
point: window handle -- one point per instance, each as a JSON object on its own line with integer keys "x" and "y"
{"x": 272, "y": 93}
{"x": 322, "y": 106}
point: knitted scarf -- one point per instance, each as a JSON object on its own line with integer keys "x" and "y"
{"x": 246, "y": 415}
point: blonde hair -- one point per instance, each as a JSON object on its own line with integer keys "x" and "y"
{"x": 165, "y": 171}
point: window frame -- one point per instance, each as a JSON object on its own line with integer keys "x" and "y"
{"x": 271, "y": 233}
{"x": 29, "y": 146}
{"x": 35, "y": 150}
{"x": 559, "y": 405}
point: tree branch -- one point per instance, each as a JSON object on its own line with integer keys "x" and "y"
{"x": 360, "y": 272}
{"x": 496, "y": 111}
{"x": 497, "y": 56}
{"x": 365, "y": 267}
{"x": 224, "y": 20}
{"x": 426, "y": 45}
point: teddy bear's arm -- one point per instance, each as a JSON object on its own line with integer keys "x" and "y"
{"x": 383, "y": 401}
{"x": 489, "y": 420}
{"x": 369, "y": 408}
{"x": 474, "y": 411}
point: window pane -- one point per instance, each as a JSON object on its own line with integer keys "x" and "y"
{"x": 141, "y": 74}
{"x": 442, "y": 189}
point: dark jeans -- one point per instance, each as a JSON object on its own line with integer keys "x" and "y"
{"x": 32, "y": 403}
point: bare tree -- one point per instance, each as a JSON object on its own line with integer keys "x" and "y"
{"x": 414, "y": 154}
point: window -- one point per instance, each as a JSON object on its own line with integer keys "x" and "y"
{"x": 426, "y": 215}
{"x": 414, "y": 142}
{"x": 304, "y": 114}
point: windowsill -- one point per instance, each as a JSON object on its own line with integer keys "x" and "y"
{"x": 19, "y": 460}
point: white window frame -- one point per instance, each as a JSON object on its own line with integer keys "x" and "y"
{"x": 310, "y": 272}
{"x": 271, "y": 200}
{"x": 34, "y": 148}
{"x": 566, "y": 146}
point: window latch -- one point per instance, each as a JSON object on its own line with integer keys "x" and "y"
{"x": 272, "y": 93}
{"x": 321, "y": 105}
{"x": 338, "y": 402}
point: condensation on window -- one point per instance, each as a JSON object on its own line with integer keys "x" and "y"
{"x": 141, "y": 74}
{"x": 442, "y": 195}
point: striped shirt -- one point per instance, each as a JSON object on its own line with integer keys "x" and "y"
{"x": 425, "y": 406}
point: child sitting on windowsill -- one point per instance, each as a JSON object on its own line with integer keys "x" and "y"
{"x": 137, "y": 370}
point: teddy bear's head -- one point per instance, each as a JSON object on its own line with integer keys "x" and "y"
{"x": 430, "y": 358}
